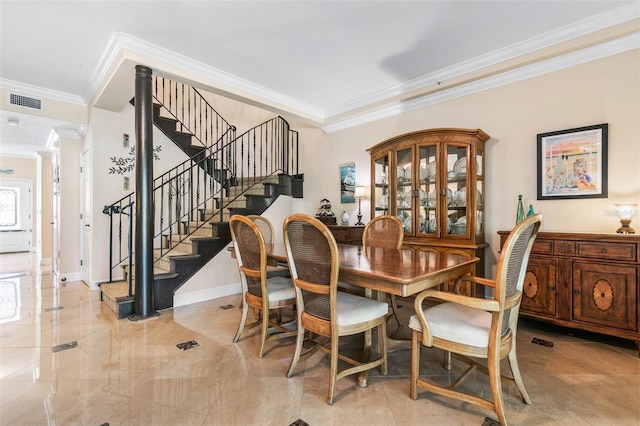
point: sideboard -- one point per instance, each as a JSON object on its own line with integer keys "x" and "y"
{"x": 347, "y": 234}
{"x": 584, "y": 281}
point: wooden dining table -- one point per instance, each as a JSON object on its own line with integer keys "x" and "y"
{"x": 403, "y": 272}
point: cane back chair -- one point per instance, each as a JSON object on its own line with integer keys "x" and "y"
{"x": 312, "y": 253}
{"x": 478, "y": 328}
{"x": 259, "y": 292}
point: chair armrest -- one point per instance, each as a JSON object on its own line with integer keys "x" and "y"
{"x": 476, "y": 280}
{"x": 488, "y": 305}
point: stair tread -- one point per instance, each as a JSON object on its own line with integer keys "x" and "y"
{"x": 156, "y": 270}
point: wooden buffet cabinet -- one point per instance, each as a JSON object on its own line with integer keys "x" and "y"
{"x": 347, "y": 234}
{"x": 434, "y": 181}
{"x": 584, "y": 281}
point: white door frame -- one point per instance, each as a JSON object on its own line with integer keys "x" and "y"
{"x": 85, "y": 219}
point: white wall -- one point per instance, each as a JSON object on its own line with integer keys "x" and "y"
{"x": 105, "y": 139}
{"x": 602, "y": 91}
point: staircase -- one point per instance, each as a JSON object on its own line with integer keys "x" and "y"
{"x": 224, "y": 175}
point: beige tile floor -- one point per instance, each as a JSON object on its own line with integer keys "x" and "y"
{"x": 125, "y": 373}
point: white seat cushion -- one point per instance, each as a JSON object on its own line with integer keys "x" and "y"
{"x": 352, "y": 309}
{"x": 280, "y": 288}
{"x": 456, "y": 323}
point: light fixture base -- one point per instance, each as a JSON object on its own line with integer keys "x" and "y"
{"x": 625, "y": 228}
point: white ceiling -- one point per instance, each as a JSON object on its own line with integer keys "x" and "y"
{"x": 327, "y": 57}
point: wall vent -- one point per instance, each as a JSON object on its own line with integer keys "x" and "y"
{"x": 25, "y": 102}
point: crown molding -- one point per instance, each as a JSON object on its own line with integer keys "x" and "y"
{"x": 41, "y": 92}
{"x": 543, "y": 41}
{"x": 121, "y": 43}
{"x": 76, "y": 132}
{"x": 578, "y": 57}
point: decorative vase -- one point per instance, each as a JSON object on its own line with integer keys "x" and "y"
{"x": 520, "y": 211}
{"x": 345, "y": 218}
{"x": 530, "y": 212}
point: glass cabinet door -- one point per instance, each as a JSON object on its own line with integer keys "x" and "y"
{"x": 380, "y": 186}
{"x": 479, "y": 195}
{"x": 457, "y": 193}
{"x": 427, "y": 191}
{"x": 404, "y": 193}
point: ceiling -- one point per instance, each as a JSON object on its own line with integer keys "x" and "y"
{"x": 323, "y": 59}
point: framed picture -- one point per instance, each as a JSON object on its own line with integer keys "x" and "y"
{"x": 347, "y": 183}
{"x": 572, "y": 163}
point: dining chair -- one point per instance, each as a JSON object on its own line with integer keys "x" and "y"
{"x": 472, "y": 327}
{"x": 312, "y": 253}
{"x": 259, "y": 292}
{"x": 385, "y": 231}
{"x": 266, "y": 228}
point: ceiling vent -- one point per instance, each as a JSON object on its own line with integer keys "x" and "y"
{"x": 25, "y": 102}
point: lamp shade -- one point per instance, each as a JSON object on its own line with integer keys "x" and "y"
{"x": 360, "y": 192}
{"x": 624, "y": 211}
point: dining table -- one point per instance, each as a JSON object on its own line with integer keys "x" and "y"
{"x": 402, "y": 272}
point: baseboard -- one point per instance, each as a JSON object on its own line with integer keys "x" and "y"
{"x": 204, "y": 295}
{"x": 67, "y": 278}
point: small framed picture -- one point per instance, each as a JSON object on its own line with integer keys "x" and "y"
{"x": 347, "y": 183}
{"x": 572, "y": 163}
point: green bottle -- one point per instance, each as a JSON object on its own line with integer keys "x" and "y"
{"x": 530, "y": 212}
{"x": 520, "y": 211}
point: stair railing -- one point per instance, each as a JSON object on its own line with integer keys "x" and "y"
{"x": 271, "y": 147}
{"x": 198, "y": 190}
{"x": 193, "y": 112}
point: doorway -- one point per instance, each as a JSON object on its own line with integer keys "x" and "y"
{"x": 15, "y": 215}
{"x": 85, "y": 220}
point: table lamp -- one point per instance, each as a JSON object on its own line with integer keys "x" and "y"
{"x": 625, "y": 214}
{"x": 359, "y": 194}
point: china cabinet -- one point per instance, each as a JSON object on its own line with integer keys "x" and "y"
{"x": 434, "y": 181}
{"x": 584, "y": 281}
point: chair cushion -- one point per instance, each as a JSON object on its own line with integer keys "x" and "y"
{"x": 352, "y": 309}
{"x": 280, "y": 288}
{"x": 456, "y": 323}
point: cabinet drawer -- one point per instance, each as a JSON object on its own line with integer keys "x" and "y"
{"x": 341, "y": 235}
{"x": 541, "y": 246}
{"x": 355, "y": 234}
{"x": 604, "y": 250}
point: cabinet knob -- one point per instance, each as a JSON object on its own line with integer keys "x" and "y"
{"x": 604, "y": 249}
{"x": 576, "y": 291}
{"x": 552, "y": 288}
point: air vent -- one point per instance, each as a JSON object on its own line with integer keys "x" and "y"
{"x": 25, "y": 102}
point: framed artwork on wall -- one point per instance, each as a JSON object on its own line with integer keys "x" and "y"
{"x": 572, "y": 163}
{"x": 347, "y": 183}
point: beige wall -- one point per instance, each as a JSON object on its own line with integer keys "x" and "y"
{"x": 69, "y": 209}
{"x": 44, "y": 206}
{"x": 602, "y": 91}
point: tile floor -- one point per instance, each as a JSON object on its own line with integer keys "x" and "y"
{"x": 121, "y": 373}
